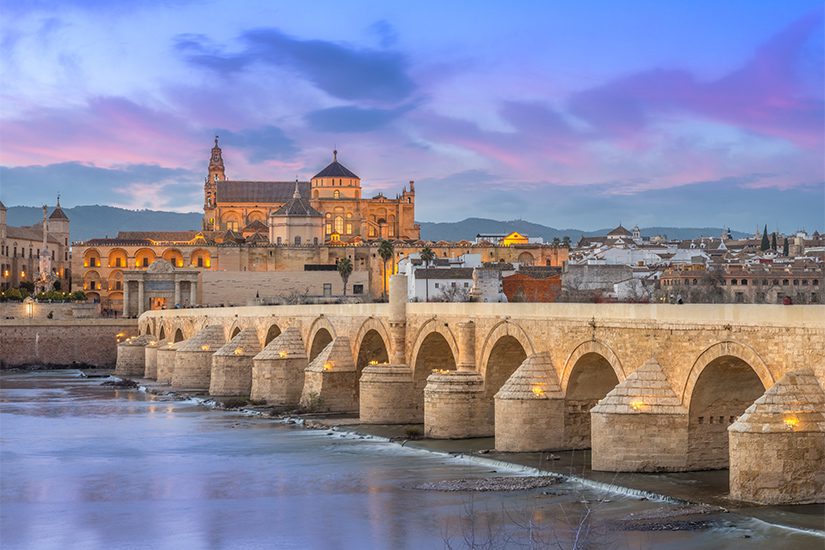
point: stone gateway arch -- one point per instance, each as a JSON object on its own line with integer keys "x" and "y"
{"x": 647, "y": 387}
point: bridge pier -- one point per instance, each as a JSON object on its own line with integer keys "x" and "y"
{"x": 193, "y": 361}
{"x": 388, "y": 396}
{"x": 166, "y": 361}
{"x": 150, "y": 358}
{"x": 640, "y": 425}
{"x": 777, "y": 447}
{"x": 278, "y": 371}
{"x": 387, "y": 392}
{"x": 331, "y": 379}
{"x": 231, "y": 373}
{"x": 529, "y": 408}
{"x": 131, "y": 356}
{"x": 455, "y": 404}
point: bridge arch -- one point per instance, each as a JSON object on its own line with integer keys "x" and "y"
{"x": 435, "y": 348}
{"x": 271, "y": 333}
{"x": 372, "y": 347}
{"x": 178, "y": 336}
{"x": 725, "y": 380}
{"x": 320, "y": 334}
{"x": 590, "y": 372}
{"x": 162, "y": 333}
{"x": 377, "y": 326}
{"x": 502, "y": 337}
{"x": 588, "y": 347}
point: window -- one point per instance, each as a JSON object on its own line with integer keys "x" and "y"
{"x": 298, "y": 240}
{"x": 466, "y": 285}
{"x": 816, "y": 282}
{"x": 278, "y": 241}
{"x": 329, "y": 228}
{"x": 349, "y": 229}
{"x": 452, "y": 284}
{"x": 804, "y": 281}
{"x": 315, "y": 241}
{"x": 118, "y": 262}
{"x": 784, "y": 282}
{"x": 436, "y": 285}
{"x": 336, "y": 194}
{"x": 200, "y": 261}
{"x": 796, "y": 282}
{"x": 744, "y": 282}
{"x": 740, "y": 297}
{"x": 327, "y": 289}
{"x": 357, "y": 289}
{"x": 339, "y": 224}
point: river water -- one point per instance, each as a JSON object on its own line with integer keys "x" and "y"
{"x": 86, "y": 466}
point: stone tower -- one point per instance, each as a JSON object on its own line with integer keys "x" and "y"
{"x": 2, "y": 223}
{"x": 210, "y": 187}
{"x": 59, "y": 229}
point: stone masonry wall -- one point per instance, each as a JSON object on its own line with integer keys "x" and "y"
{"x": 62, "y": 343}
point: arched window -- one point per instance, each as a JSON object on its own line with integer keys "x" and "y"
{"x": 339, "y": 224}
{"x": 298, "y": 240}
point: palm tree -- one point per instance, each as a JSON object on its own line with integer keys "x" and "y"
{"x": 345, "y": 270}
{"x": 386, "y": 252}
{"x": 427, "y": 256}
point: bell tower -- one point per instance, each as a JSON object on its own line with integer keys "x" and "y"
{"x": 210, "y": 187}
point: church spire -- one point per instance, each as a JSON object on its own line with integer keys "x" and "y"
{"x": 296, "y": 194}
{"x": 216, "y": 168}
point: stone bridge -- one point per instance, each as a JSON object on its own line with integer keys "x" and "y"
{"x": 647, "y": 387}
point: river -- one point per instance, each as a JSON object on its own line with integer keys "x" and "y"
{"x": 87, "y": 466}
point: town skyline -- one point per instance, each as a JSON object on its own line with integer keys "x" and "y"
{"x": 520, "y": 116}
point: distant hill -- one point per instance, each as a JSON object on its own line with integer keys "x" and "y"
{"x": 89, "y": 222}
{"x": 469, "y": 228}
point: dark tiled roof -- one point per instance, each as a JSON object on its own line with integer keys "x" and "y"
{"x": 116, "y": 242}
{"x": 256, "y": 226}
{"x": 232, "y": 236}
{"x": 34, "y": 233}
{"x": 58, "y": 214}
{"x": 174, "y": 236}
{"x": 620, "y": 231}
{"x": 540, "y": 272}
{"x": 261, "y": 192}
{"x": 257, "y": 238}
{"x": 297, "y": 207}
{"x": 449, "y": 273}
{"x": 335, "y": 170}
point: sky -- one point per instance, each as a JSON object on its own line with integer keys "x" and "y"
{"x": 569, "y": 114}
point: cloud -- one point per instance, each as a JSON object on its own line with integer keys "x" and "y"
{"x": 341, "y": 71}
{"x": 768, "y": 94}
{"x": 132, "y": 185}
{"x": 262, "y": 144}
{"x": 353, "y": 119}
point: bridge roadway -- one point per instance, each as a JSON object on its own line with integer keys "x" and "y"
{"x": 647, "y": 387}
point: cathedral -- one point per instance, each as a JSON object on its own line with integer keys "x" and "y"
{"x": 327, "y": 209}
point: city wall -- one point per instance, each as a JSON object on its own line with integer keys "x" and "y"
{"x": 56, "y": 342}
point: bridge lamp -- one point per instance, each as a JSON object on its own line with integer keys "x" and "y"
{"x": 283, "y": 354}
{"x": 538, "y": 389}
{"x": 238, "y": 351}
{"x": 205, "y": 347}
{"x": 328, "y": 366}
{"x": 791, "y": 422}
{"x": 30, "y": 309}
{"x": 637, "y": 405}
{"x": 373, "y": 363}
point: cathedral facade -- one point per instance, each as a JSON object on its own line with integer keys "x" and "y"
{"x": 248, "y": 207}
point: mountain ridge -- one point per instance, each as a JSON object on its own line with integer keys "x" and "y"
{"x": 98, "y": 221}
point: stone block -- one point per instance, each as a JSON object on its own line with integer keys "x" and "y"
{"x": 387, "y": 396}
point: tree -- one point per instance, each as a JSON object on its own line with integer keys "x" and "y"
{"x": 566, "y": 241}
{"x": 386, "y": 252}
{"x": 427, "y": 256}
{"x": 786, "y": 248}
{"x": 766, "y": 244}
{"x": 773, "y": 241}
{"x": 345, "y": 270}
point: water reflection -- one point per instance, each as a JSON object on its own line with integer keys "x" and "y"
{"x": 94, "y": 467}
